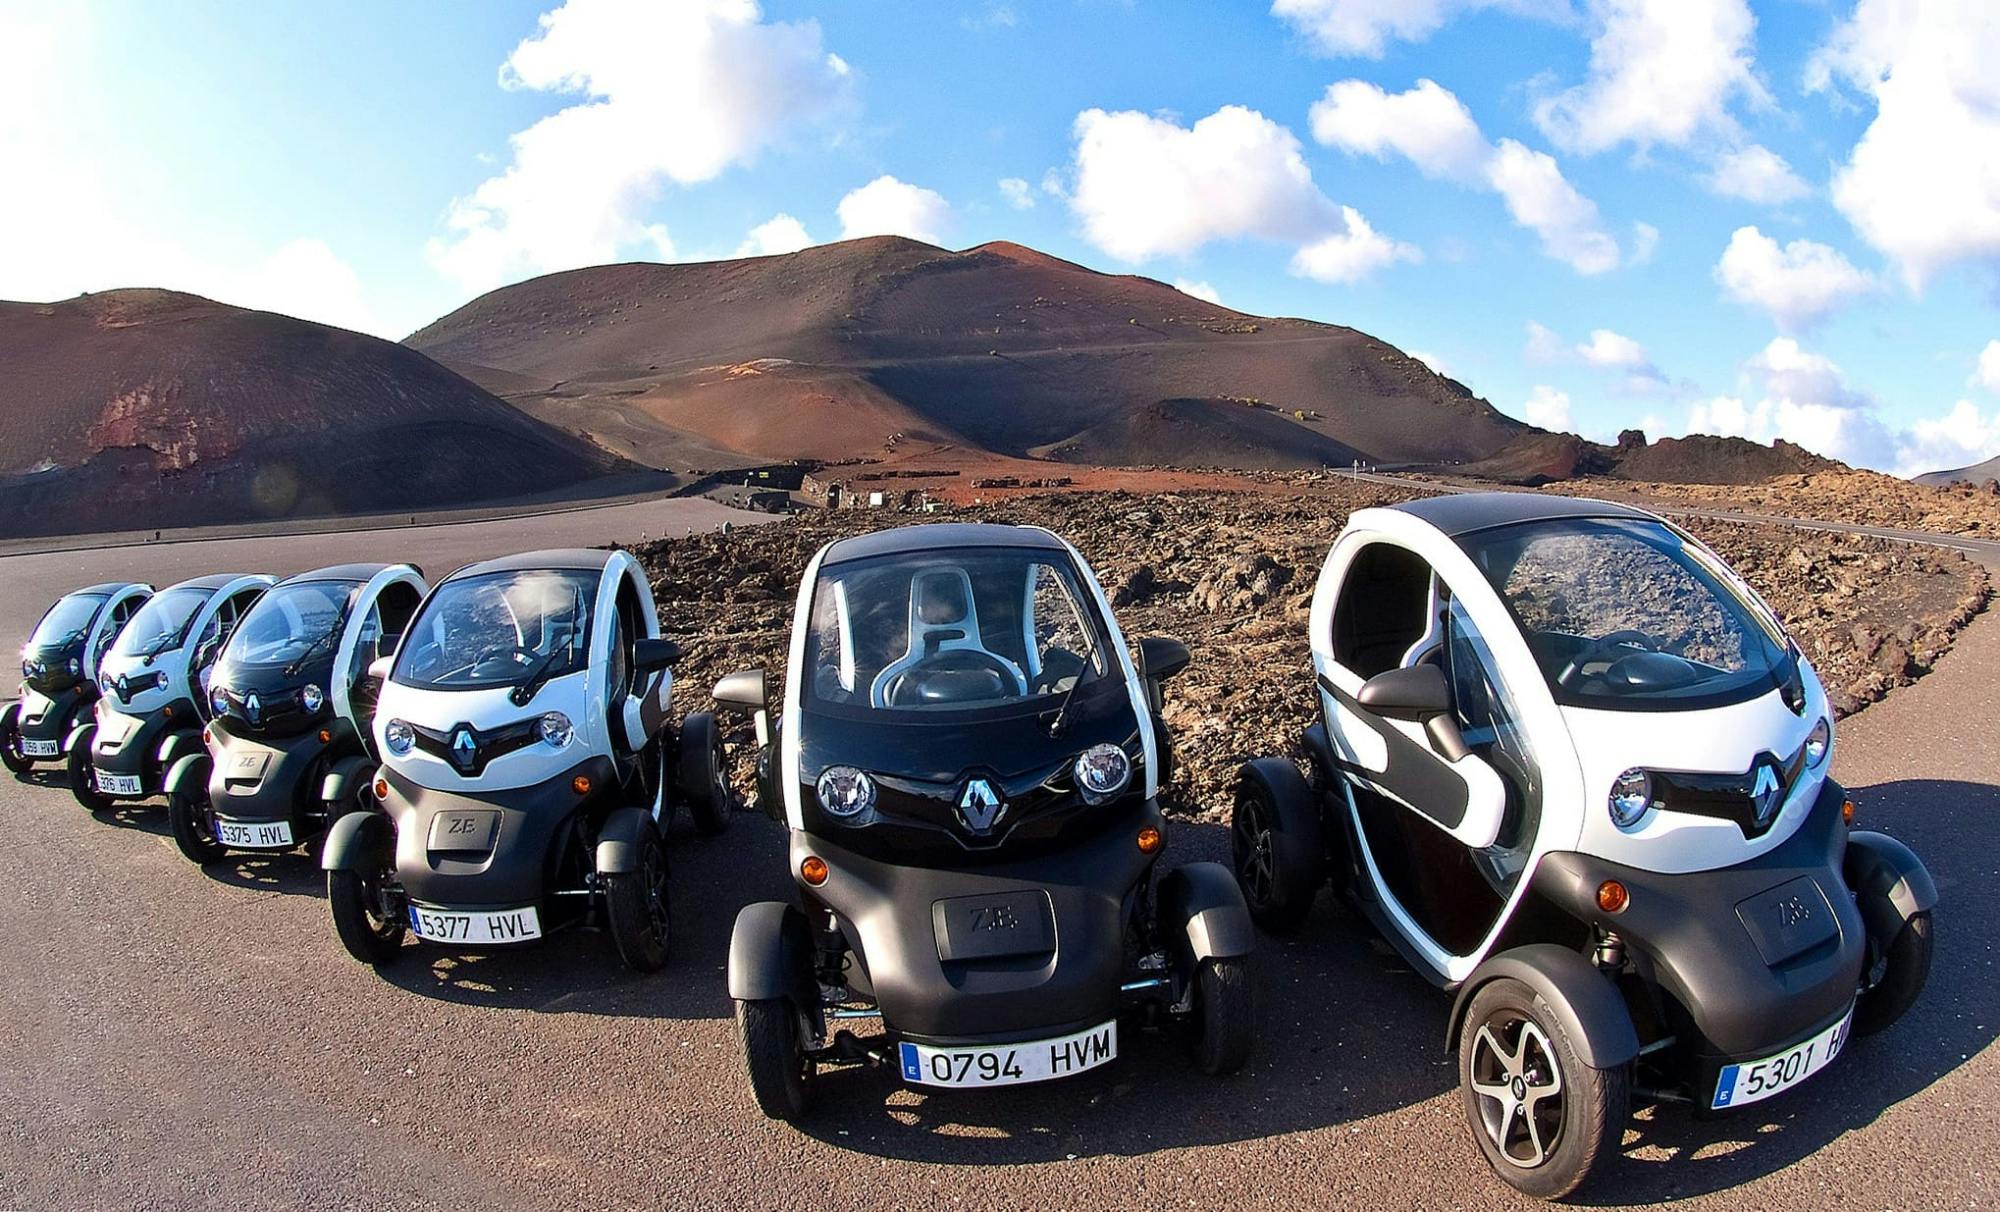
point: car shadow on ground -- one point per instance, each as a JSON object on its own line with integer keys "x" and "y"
{"x": 577, "y": 971}
{"x": 291, "y": 872}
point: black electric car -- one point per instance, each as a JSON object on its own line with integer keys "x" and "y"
{"x": 967, "y": 762}
{"x": 59, "y": 666}
{"x": 528, "y": 767}
{"x": 287, "y": 744}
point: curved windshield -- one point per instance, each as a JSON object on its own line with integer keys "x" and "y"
{"x": 291, "y": 624}
{"x": 162, "y": 623}
{"x": 500, "y": 629}
{"x": 66, "y": 622}
{"x": 953, "y": 630}
{"x": 1626, "y": 613}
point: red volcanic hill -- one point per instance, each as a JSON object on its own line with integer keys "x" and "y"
{"x": 148, "y": 408}
{"x": 846, "y": 350}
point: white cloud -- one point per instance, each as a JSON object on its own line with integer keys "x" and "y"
{"x": 1548, "y": 409}
{"x": 1645, "y": 238}
{"x": 1351, "y": 255}
{"x": 1799, "y": 284}
{"x": 1792, "y": 393}
{"x": 1923, "y": 184}
{"x": 1198, "y": 290}
{"x": 1988, "y": 375}
{"x": 671, "y": 95}
{"x": 779, "y": 234}
{"x": 888, "y": 207}
{"x": 1607, "y": 348}
{"x": 1019, "y": 194}
{"x": 1661, "y": 72}
{"x": 1365, "y": 27}
{"x": 1544, "y": 347}
{"x": 1431, "y": 128}
{"x": 1756, "y": 174}
{"x": 1957, "y": 439}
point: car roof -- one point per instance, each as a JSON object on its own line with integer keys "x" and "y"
{"x": 338, "y": 572}
{"x": 105, "y": 590}
{"x": 934, "y": 536}
{"x": 588, "y": 558}
{"x": 214, "y": 580}
{"x": 1462, "y": 513}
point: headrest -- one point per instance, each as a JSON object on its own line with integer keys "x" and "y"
{"x": 941, "y": 598}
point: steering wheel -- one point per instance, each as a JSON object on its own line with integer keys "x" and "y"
{"x": 964, "y": 660}
{"x": 1604, "y": 648}
{"x": 527, "y": 656}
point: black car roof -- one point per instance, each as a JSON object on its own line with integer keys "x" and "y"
{"x": 214, "y": 580}
{"x": 1462, "y": 513}
{"x": 567, "y": 557}
{"x": 935, "y": 536}
{"x": 338, "y": 572}
{"x": 104, "y": 591}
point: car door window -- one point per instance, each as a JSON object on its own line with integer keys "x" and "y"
{"x": 1383, "y": 610}
{"x": 1490, "y": 722}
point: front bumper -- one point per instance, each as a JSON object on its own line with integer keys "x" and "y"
{"x": 135, "y": 747}
{"x": 49, "y": 717}
{"x": 1740, "y": 962}
{"x": 939, "y": 980}
{"x": 508, "y": 861}
{"x": 257, "y": 780}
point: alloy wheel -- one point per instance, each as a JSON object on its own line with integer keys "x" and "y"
{"x": 1519, "y": 1084}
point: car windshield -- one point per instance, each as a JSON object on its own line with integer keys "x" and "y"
{"x": 500, "y": 629}
{"x": 949, "y": 631}
{"x": 290, "y": 623}
{"x": 1628, "y": 613}
{"x": 162, "y": 623}
{"x": 66, "y": 621}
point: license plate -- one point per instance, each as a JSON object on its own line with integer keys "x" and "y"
{"x": 1010, "y": 1064}
{"x": 1755, "y": 1081}
{"x": 118, "y": 784}
{"x": 482, "y": 926}
{"x": 40, "y": 748}
{"x": 254, "y": 835}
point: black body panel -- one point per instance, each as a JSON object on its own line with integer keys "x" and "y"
{"x": 139, "y": 753}
{"x": 524, "y": 858}
{"x": 1418, "y": 775}
{"x": 59, "y": 714}
{"x": 272, "y": 778}
{"x": 1462, "y": 513}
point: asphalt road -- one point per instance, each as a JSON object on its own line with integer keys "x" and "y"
{"x": 172, "y": 1038}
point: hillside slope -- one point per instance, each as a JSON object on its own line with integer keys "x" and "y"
{"x": 1978, "y": 473}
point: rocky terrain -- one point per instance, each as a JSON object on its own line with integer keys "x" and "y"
{"x": 1232, "y": 575}
{"x": 1866, "y": 498}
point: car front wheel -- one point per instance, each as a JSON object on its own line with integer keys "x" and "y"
{"x": 83, "y": 775}
{"x": 366, "y": 928}
{"x": 781, "y": 1074}
{"x": 635, "y": 906}
{"x": 1225, "y": 1017}
{"x": 194, "y": 826}
{"x": 10, "y": 750}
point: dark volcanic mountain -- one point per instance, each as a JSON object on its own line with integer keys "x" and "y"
{"x": 148, "y": 408}
{"x": 1978, "y": 473}
{"x": 849, "y": 349}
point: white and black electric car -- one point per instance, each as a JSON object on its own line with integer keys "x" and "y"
{"x": 1574, "y": 769}
{"x": 529, "y": 769}
{"x": 967, "y": 761}
{"x": 288, "y": 748}
{"x": 153, "y": 688}
{"x": 59, "y": 671}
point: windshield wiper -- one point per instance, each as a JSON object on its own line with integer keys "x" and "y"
{"x": 313, "y": 649}
{"x": 533, "y": 682}
{"x": 1069, "y": 696}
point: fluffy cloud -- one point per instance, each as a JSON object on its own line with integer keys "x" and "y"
{"x": 1198, "y": 290}
{"x": 1799, "y": 284}
{"x": 1365, "y": 27}
{"x": 1661, "y": 72}
{"x": 1959, "y": 438}
{"x": 1756, "y": 174}
{"x": 1431, "y": 128}
{"x": 888, "y": 207}
{"x": 673, "y": 94}
{"x": 1019, "y": 194}
{"x": 1548, "y": 409}
{"x": 1352, "y": 254}
{"x": 778, "y": 234}
{"x": 1923, "y": 183}
{"x": 1988, "y": 374}
{"x": 1610, "y": 349}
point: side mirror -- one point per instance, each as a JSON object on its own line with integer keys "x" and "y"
{"x": 1417, "y": 692}
{"x": 379, "y": 668}
{"x": 651, "y": 656}
{"x": 1161, "y": 658}
{"x": 744, "y": 691}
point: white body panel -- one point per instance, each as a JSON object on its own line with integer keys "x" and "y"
{"x": 343, "y": 658}
{"x": 141, "y": 672}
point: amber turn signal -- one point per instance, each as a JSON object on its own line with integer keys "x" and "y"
{"x": 1150, "y": 840}
{"x": 381, "y": 789}
{"x": 580, "y": 784}
{"x": 1847, "y": 812}
{"x": 208, "y": 738}
{"x": 167, "y": 712}
{"x": 326, "y": 736}
{"x": 812, "y": 869}
{"x": 1612, "y": 897}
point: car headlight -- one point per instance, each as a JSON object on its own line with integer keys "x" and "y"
{"x": 554, "y": 729}
{"x": 218, "y": 702}
{"x": 27, "y": 668}
{"x": 845, "y": 791}
{"x": 75, "y": 666}
{"x": 1631, "y": 796}
{"x": 311, "y": 697}
{"x": 160, "y": 680}
{"x": 398, "y": 736}
{"x": 1819, "y": 742}
{"x": 1102, "y": 772}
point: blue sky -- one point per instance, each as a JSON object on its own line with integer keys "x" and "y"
{"x": 1773, "y": 219}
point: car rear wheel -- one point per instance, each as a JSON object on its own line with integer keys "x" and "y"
{"x": 83, "y": 775}
{"x": 366, "y": 929}
{"x": 10, "y": 749}
{"x": 636, "y": 909}
{"x": 703, "y": 775}
{"x": 193, "y": 824}
{"x": 781, "y": 1074}
{"x": 1896, "y": 975}
{"x": 1224, "y": 1015}
{"x": 1544, "y": 1119}
{"x": 1274, "y": 844}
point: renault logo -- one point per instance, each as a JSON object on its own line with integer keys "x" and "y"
{"x": 980, "y": 806}
{"x": 253, "y": 708}
{"x": 463, "y": 748}
{"x": 1765, "y": 793}
{"x": 124, "y": 688}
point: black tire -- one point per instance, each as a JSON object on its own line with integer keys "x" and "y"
{"x": 781, "y": 1075}
{"x": 10, "y": 750}
{"x": 368, "y": 937}
{"x": 1225, "y": 1016}
{"x": 83, "y": 775}
{"x": 194, "y": 827}
{"x": 703, "y": 776}
{"x": 636, "y": 908}
{"x": 1550, "y": 1145}
{"x": 1275, "y": 844}
{"x": 1899, "y": 974}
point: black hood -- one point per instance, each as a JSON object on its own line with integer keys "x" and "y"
{"x": 267, "y": 698}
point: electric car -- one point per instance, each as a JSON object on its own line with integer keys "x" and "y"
{"x": 967, "y": 762}
{"x": 287, "y": 746}
{"x": 59, "y": 671}
{"x": 1572, "y": 767}
{"x": 153, "y": 688}
{"x": 529, "y": 770}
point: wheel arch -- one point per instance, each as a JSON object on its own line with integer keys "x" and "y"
{"x": 1587, "y": 1006}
